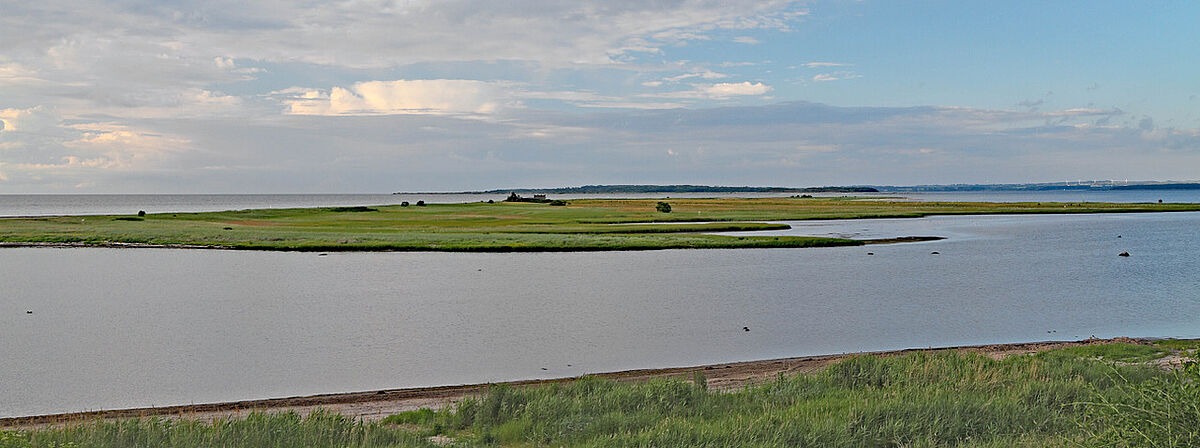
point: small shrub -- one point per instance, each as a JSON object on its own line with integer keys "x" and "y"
{"x": 227, "y": 228}
{"x": 663, "y": 207}
{"x": 404, "y": 204}
{"x": 420, "y": 203}
{"x": 491, "y": 201}
{"x": 127, "y": 218}
{"x": 141, "y": 213}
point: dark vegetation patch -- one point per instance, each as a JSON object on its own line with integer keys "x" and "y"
{"x": 353, "y": 209}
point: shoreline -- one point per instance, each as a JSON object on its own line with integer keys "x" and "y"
{"x": 119, "y": 245}
{"x": 377, "y": 404}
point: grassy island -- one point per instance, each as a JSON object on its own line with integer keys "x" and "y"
{"x": 580, "y": 225}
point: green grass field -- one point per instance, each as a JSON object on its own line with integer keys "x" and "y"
{"x": 1058, "y": 398}
{"x": 582, "y": 225}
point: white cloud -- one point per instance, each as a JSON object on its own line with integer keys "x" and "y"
{"x": 422, "y": 96}
{"x": 41, "y": 146}
{"x": 835, "y": 76}
{"x": 726, "y": 90}
{"x": 1078, "y": 112}
{"x": 746, "y": 40}
{"x": 386, "y": 33}
{"x": 706, "y": 74}
{"x": 34, "y": 120}
{"x": 226, "y": 63}
{"x": 824, "y": 64}
{"x": 121, "y": 147}
{"x": 14, "y": 73}
{"x": 718, "y": 91}
{"x": 739, "y": 64}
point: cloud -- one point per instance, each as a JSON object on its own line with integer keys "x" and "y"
{"x": 767, "y": 144}
{"x": 835, "y": 76}
{"x": 726, "y": 90}
{"x": 706, "y": 74}
{"x": 34, "y": 120}
{"x": 422, "y": 96}
{"x": 747, "y": 40}
{"x": 824, "y": 64}
{"x": 718, "y": 91}
{"x": 39, "y": 147}
{"x": 376, "y": 33}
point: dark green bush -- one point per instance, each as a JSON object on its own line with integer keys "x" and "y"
{"x": 354, "y": 209}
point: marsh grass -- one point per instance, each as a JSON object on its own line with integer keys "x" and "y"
{"x": 1128, "y": 353}
{"x": 259, "y": 430}
{"x": 1161, "y": 412}
{"x": 1061, "y": 398}
{"x": 1183, "y": 345}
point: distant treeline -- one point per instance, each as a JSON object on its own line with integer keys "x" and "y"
{"x": 618, "y": 189}
{"x": 1158, "y": 187}
{"x": 633, "y": 189}
{"x": 1058, "y": 186}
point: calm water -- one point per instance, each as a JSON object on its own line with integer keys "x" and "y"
{"x": 97, "y": 204}
{"x": 135, "y": 327}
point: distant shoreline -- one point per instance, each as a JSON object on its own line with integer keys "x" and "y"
{"x": 644, "y": 189}
{"x": 938, "y": 188}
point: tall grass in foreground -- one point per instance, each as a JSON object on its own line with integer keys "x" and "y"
{"x": 1162, "y": 412}
{"x": 922, "y": 399}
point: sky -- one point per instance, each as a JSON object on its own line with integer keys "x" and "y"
{"x": 376, "y": 96}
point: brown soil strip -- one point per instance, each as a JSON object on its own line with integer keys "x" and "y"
{"x": 374, "y": 405}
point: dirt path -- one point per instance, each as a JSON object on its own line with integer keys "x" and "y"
{"x": 374, "y": 405}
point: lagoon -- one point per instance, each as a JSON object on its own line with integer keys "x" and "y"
{"x": 117, "y": 328}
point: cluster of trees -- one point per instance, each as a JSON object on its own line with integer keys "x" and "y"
{"x": 540, "y": 199}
